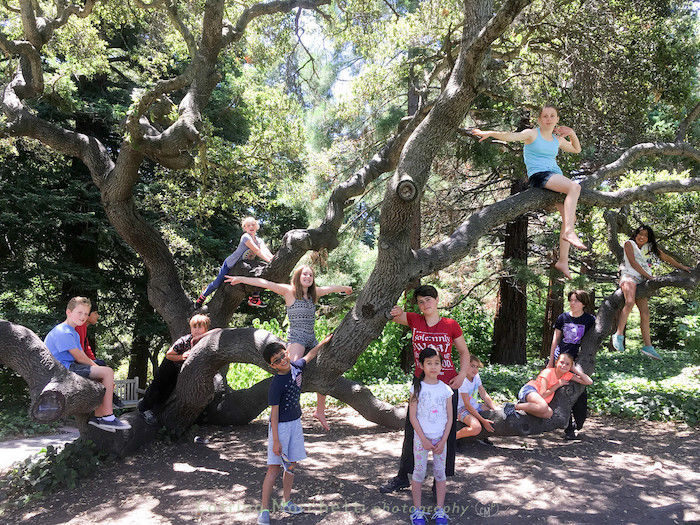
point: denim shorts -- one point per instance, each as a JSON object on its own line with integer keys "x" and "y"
{"x": 80, "y": 369}
{"x": 524, "y": 392}
{"x": 463, "y": 411}
{"x": 539, "y": 179}
{"x": 291, "y": 436}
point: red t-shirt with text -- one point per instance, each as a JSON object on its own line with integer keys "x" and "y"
{"x": 439, "y": 336}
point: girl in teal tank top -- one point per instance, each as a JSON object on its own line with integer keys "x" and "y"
{"x": 540, "y": 149}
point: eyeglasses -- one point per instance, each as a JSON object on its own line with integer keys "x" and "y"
{"x": 278, "y": 360}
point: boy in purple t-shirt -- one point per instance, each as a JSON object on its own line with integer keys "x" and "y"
{"x": 63, "y": 342}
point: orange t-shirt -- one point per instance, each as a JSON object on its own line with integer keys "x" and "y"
{"x": 546, "y": 379}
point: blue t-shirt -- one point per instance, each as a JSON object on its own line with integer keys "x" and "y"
{"x": 573, "y": 330}
{"x": 59, "y": 340}
{"x": 285, "y": 391}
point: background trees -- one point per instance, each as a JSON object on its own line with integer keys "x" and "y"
{"x": 183, "y": 118}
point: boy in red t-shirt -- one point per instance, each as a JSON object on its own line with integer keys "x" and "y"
{"x": 441, "y": 333}
{"x": 534, "y": 397}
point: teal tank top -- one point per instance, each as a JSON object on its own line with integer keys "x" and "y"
{"x": 541, "y": 155}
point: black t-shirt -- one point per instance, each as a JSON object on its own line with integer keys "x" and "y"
{"x": 573, "y": 330}
{"x": 285, "y": 391}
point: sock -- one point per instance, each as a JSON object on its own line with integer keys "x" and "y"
{"x": 108, "y": 418}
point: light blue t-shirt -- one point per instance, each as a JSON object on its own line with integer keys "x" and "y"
{"x": 59, "y": 340}
{"x": 541, "y": 155}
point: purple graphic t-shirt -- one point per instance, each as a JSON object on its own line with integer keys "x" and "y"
{"x": 573, "y": 330}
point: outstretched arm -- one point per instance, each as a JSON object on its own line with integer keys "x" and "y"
{"x": 278, "y": 288}
{"x": 314, "y": 351}
{"x": 527, "y": 135}
{"x": 325, "y": 290}
{"x": 581, "y": 377}
{"x": 670, "y": 260}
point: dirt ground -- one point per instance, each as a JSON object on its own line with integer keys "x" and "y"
{"x": 621, "y": 471}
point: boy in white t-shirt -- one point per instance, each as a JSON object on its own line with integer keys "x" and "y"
{"x": 468, "y": 409}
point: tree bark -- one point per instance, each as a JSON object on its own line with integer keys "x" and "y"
{"x": 554, "y": 307}
{"x": 510, "y": 322}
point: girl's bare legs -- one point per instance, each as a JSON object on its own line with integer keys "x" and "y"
{"x": 296, "y": 351}
{"x": 536, "y": 406}
{"x": 643, "y": 305}
{"x": 561, "y": 184}
{"x": 562, "y": 263}
{"x": 440, "y": 491}
{"x": 629, "y": 289}
{"x": 268, "y": 484}
{"x": 416, "y": 487}
{"x": 472, "y": 428}
{"x": 320, "y": 413}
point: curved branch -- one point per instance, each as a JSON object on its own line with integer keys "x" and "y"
{"x": 360, "y": 398}
{"x": 233, "y": 33}
{"x": 646, "y": 193}
{"x": 639, "y": 150}
{"x": 54, "y": 391}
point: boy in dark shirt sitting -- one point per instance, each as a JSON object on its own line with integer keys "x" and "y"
{"x": 285, "y": 444}
{"x": 165, "y": 378}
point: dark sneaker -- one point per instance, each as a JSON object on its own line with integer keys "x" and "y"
{"x": 256, "y": 302}
{"x": 291, "y": 508}
{"x": 117, "y": 401}
{"x": 109, "y": 426}
{"x": 264, "y": 517}
{"x": 509, "y": 409}
{"x": 485, "y": 441}
{"x": 440, "y": 517}
{"x": 418, "y": 517}
{"x": 570, "y": 435}
{"x": 199, "y": 302}
{"x": 149, "y": 417}
{"x": 394, "y": 484}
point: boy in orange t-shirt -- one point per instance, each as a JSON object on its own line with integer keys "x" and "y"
{"x": 534, "y": 397}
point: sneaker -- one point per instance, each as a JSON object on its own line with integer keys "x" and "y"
{"x": 485, "y": 441}
{"x": 618, "y": 342}
{"x": 440, "y": 516}
{"x": 509, "y": 409}
{"x": 291, "y": 508}
{"x": 394, "y": 484}
{"x": 418, "y": 517}
{"x": 199, "y": 302}
{"x": 264, "y": 517}
{"x": 256, "y": 302}
{"x": 117, "y": 401}
{"x": 570, "y": 435}
{"x": 109, "y": 426}
{"x": 649, "y": 351}
{"x": 149, "y": 417}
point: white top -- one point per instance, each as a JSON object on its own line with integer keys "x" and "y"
{"x": 471, "y": 388}
{"x": 640, "y": 256}
{"x": 432, "y": 408}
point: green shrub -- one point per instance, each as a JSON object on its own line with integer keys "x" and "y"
{"x": 14, "y": 421}
{"x": 51, "y": 470}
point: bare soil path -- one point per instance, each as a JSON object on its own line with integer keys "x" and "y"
{"x": 621, "y": 471}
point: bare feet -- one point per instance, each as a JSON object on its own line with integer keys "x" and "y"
{"x": 322, "y": 419}
{"x": 563, "y": 268}
{"x": 573, "y": 239}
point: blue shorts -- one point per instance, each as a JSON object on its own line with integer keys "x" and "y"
{"x": 80, "y": 369}
{"x": 539, "y": 179}
{"x": 291, "y": 436}
{"x": 524, "y": 391}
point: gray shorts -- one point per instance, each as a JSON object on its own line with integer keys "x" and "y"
{"x": 80, "y": 369}
{"x": 631, "y": 278}
{"x": 291, "y": 436}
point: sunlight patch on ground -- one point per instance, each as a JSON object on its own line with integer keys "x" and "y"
{"x": 186, "y": 467}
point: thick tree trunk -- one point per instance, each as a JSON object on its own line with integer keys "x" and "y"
{"x": 510, "y": 323}
{"x": 554, "y": 307}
